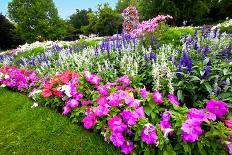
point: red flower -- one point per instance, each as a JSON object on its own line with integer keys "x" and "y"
{"x": 228, "y": 123}
{"x": 46, "y": 93}
{"x": 48, "y": 85}
{"x": 57, "y": 93}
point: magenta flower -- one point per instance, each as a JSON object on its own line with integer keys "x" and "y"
{"x": 123, "y": 95}
{"x": 87, "y": 75}
{"x": 127, "y": 147}
{"x": 86, "y": 102}
{"x": 229, "y": 145}
{"x": 196, "y": 114}
{"x": 116, "y": 125}
{"x": 95, "y": 79}
{"x": 125, "y": 80}
{"x": 173, "y": 99}
{"x": 102, "y": 90}
{"x": 219, "y": 108}
{"x": 89, "y": 121}
{"x": 191, "y": 130}
{"x": 129, "y": 117}
{"x": 66, "y": 110}
{"x": 140, "y": 112}
{"x": 200, "y": 115}
{"x": 117, "y": 139}
{"x": 100, "y": 110}
{"x": 157, "y": 97}
{"x": 72, "y": 103}
{"x": 102, "y": 100}
{"x": 143, "y": 92}
{"x": 148, "y": 134}
{"x": 114, "y": 100}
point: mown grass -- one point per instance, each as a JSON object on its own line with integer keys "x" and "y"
{"x": 26, "y": 130}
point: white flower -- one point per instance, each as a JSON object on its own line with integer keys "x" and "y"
{"x": 66, "y": 89}
{"x": 3, "y": 85}
{"x": 34, "y": 105}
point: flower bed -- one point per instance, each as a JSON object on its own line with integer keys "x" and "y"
{"x": 133, "y": 119}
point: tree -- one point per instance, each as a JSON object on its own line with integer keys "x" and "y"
{"x": 9, "y": 37}
{"x": 122, "y": 4}
{"x": 191, "y": 11}
{"x": 37, "y": 20}
{"x": 105, "y": 21}
{"x": 79, "y": 18}
{"x": 109, "y": 20}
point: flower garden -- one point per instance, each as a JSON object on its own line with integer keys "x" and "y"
{"x": 141, "y": 95}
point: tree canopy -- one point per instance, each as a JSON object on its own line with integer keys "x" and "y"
{"x": 37, "y": 20}
{"x": 9, "y": 37}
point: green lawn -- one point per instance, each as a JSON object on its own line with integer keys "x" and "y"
{"x": 24, "y": 130}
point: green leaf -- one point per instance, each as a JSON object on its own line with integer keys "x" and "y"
{"x": 148, "y": 110}
{"x": 225, "y": 71}
{"x": 180, "y": 95}
{"x": 208, "y": 87}
{"x": 195, "y": 78}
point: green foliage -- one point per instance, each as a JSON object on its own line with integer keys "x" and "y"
{"x": 29, "y": 53}
{"x": 9, "y": 38}
{"x": 79, "y": 19}
{"x": 37, "y": 20}
{"x": 104, "y": 22}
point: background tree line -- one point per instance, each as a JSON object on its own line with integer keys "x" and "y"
{"x": 38, "y": 20}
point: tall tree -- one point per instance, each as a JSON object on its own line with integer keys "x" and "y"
{"x": 79, "y": 18}
{"x": 37, "y": 20}
{"x": 9, "y": 37}
{"x": 122, "y": 4}
{"x": 105, "y": 21}
{"x": 187, "y": 10}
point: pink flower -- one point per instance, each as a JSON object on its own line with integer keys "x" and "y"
{"x": 196, "y": 114}
{"x": 123, "y": 94}
{"x": 116, "y": 125}
{"x": 219, "y": 108}
{"x": 86, "y": 102}
{"x": 157, "y": 97}
{"x": 102, "y": 100}
{"x": 127, "y": 147}
{"x": 48, "y": 85}
{"x": 102, "y": 90}
{"x": 72, "y": 103}
{"x": 140, "y": 112}
{"x": 114, "y": 99}
{"x": 94, "y": 79}
{"x": 173, "y": 99}
{"x": 125, "y": 80}
{"x": 148, "y": 134}
{"x": 228, "y": 123}
{"x": 89, "y": 121}
{"x": 143, "y": 92}
{"x": 87, "y": 75}
{"x": 117, "y": 139}
{"x": 191, "y": 130}
{"x": 129, "y": 117}
{"x": 66, "y": 110}
{"x": 46, "y": 93}
{"x": 100, "y": 111}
